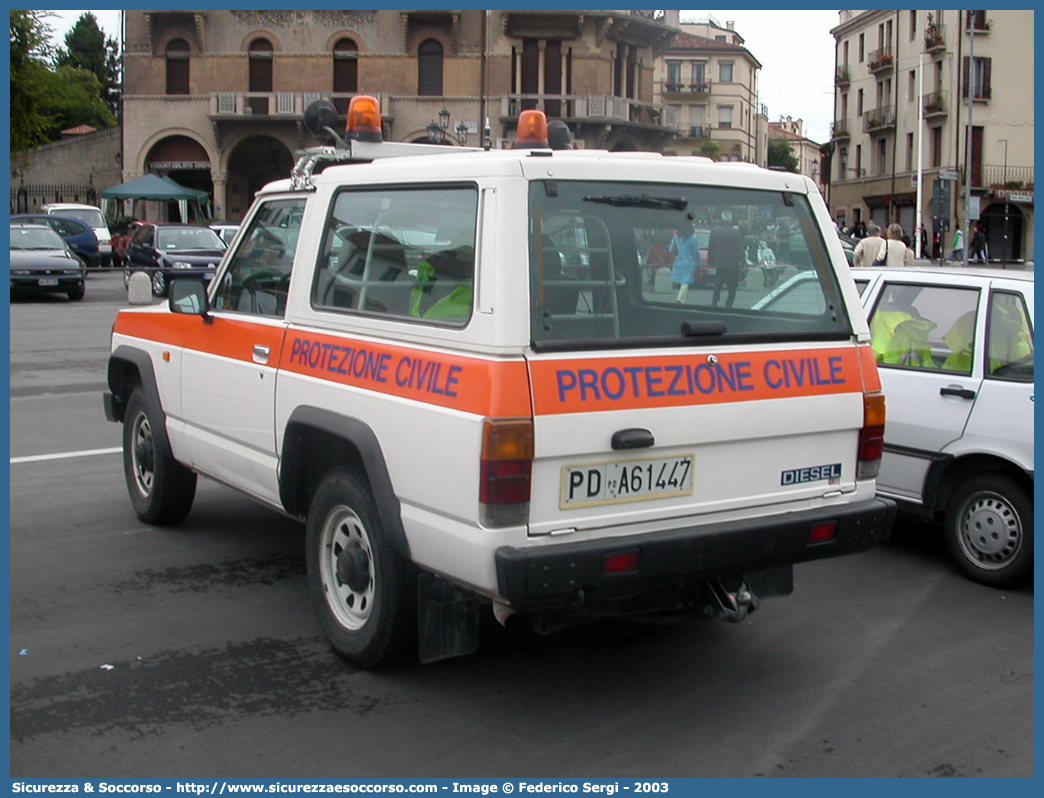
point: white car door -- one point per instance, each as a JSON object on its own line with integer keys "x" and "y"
{"x": 923, "y": 334}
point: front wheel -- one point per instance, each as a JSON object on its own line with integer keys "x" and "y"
{"x": 159, "y": 283}
{"x": 989, "y": 530}
{"x": 363, "y": 591}
{"x": 161, "y": 489}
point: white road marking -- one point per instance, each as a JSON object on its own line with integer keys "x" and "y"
{"x": 36, "y": 458}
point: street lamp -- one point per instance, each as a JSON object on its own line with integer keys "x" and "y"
{"x": 437, "y": 129}
{"x": 1004, "y": 179}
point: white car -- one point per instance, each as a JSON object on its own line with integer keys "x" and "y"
{"x": 88, "y": 214}
{"x": 954, "y": 348}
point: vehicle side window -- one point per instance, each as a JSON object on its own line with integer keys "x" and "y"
{"x": 406, "y": 253}
{"x": 1009, "y": 338}
{"x": 925, "y": 327}
{"x": 258, "y": 275}
{"x": 141, "y": 235}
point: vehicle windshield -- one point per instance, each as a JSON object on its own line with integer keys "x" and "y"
{"x": 625, "y": 264}
{"x": 90, "y": 216}
{"x": 181, "y": 239}
{"x": 35, "y": 238}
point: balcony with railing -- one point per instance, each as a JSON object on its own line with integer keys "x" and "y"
{"x": 879, "y": 120}
{"x": 700, "y": 131}
{"x": 840, "y": 129}
{"x": 935, "y": 39}
{"x": 881, "y": 60}
{"x": 675, "y": 87}
{"x": 228, "y": 104}
{"x": 1008, "y": 176}
{"x": 592, "y": 108}
{"x": 935, "y": 104}
{"x": 977, "y": 21}
{"x": 843, "y": 76}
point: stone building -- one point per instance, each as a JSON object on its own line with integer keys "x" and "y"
{"x": 215, "y": 99}
{"x": 910, "y": 85}
{"x": 710, "y": 80}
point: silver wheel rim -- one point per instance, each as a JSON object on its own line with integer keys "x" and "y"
{"x": 143, "y": 455}
{"x": 990, "y": 531}
{"x": 346, "y": 568}
{"x": 158, "y": 283}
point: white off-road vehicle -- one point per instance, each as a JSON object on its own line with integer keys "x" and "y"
{"x": 457, "y": 369}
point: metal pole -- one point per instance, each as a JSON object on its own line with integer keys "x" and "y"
{"x": 968, "y": 133}
{"x": 920, "y": 162}
{"x": 1004, "y": 179}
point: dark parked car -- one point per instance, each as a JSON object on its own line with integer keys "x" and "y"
{"x": 79, "y": 235}
{"x": 42, "y": 263}
{"x": 167, "y": 251}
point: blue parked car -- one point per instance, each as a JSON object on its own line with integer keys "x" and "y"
{"x": 80, "y": 236}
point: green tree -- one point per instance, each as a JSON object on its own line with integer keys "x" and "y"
{"x": 87, "y": 48}
{"x": 29, "y": 70}
{"x": 70, "y": 97}
{"x": 780, "y": 154}
{"x": 710, "y": 149}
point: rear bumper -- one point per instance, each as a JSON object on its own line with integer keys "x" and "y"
{"x": 543, "y": 577}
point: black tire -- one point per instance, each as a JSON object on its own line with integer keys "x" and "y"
{"x": 989, "y": 530}
{"x": 159, "y": 283}
{"x": 77, "y": 294}
{"x": 364, "y": 592}
{"x": 161, "y": 489}
{"x": 126, "y": 277}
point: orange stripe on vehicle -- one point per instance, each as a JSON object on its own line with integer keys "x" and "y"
{"x": 868, "y": 363}
{"x": 231, "y": 338}
{"x": 579, "y": 386}
{"x": 471, "y": 385}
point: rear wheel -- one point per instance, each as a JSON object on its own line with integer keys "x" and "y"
{"x": 161, "y": 489}
{"x": 363, "y": 591}
{"x": 989, "y": 530}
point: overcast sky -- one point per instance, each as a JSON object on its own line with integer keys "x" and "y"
{"x": 795, "y": 49}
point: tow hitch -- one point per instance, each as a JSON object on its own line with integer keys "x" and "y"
{"x": 732, "y": 603}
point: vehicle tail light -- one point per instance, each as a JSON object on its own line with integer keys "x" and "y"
{"x": 823, "y": 532}
{"x": 621, "y": 561}
{"x": 506, "y": 471}
{"x": 871, "y": 436}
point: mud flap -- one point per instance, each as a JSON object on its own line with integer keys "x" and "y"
{"x": 447, "y": 620}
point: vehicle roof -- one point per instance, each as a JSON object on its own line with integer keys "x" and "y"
{"x": 565, "y": 164}
{"x": 977, "y": 271}
{"x": 70, "y": 205}
{"x": 57, "y": 216}
{"x": 32, "y": 225}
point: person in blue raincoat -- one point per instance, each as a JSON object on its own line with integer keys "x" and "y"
{"x": 686, "y": 252}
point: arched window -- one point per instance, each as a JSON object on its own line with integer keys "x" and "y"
{"x": 177, "y": 67}
{"x": 260, "y": 74}
{"x": 345, "y": 72}
{"x": 429, "y": 68}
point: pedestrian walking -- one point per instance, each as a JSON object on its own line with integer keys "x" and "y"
{"x": 869, "y": 249}
{"x": 978, "y": 244}
{"x": 686, "y": 251}
{"x": 957, "y": 250}
{"x": 896, "y": 252}
{"x": 725, "y": 253}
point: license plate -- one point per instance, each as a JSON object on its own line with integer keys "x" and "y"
{"x": 626, "y": 481}
{"x": 47, "y": 281}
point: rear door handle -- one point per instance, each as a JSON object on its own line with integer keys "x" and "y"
{"x": 964, "y": 393}
{"x": 261, "y": 353}
{"x": 633, "y": 439}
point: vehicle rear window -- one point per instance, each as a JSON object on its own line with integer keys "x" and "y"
{"x": 608, "y": 262}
